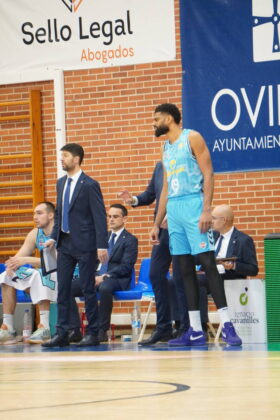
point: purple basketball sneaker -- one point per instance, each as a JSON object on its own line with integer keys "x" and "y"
{"x": 190, "y": 338}
{"x": 229, "y": 335}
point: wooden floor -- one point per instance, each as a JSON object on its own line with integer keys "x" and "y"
{"x": 123, "y": 381}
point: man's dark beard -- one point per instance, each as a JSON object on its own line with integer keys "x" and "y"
{"x": 163, "y": 129}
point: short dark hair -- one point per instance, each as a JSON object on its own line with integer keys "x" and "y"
{"x": 75, "y": 149}
{"x": 50, "y": 206}
{"x": 170, "y": 109}
{"x": 121, "y": 207}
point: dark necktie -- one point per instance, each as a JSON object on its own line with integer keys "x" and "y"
{"x": 217, "y": 250}
{"x": 111, "y": 243}
{"x": 104, "y": 267}
{"x": 65, "y": 219}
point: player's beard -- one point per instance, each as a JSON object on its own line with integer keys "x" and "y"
{"x": 161, "y": 130}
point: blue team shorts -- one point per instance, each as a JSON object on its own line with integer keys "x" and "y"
{"x": 183, "y": 215}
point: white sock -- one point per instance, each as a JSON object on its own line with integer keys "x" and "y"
{"x": 8, "y": 319}
{"x": 224, "y": 316}
{"x": 45, "y": 319}
{"x": 195, "y": 320}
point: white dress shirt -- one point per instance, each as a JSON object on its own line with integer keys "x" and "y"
{"x": 118, "y": 234}
{"x": 224, "y": 247}
{"x": 72, "y": 187}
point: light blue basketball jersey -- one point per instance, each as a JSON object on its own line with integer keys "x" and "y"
{"x": 184, "y": 176}
{"x": 41, "y": 239}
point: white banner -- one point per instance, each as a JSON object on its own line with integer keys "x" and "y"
{"x": 247, "y": 308}
{"x": 81, "y": 34}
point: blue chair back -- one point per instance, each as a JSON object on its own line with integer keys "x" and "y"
{"x": 144, "y": 282}
{"x": 133, "y": 293}
{"x": 132, "y": 280}
{"x": 2, "y": 269}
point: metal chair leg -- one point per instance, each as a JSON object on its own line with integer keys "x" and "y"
{"x": 218, "y": 332}
{"x": 145, "y": 321}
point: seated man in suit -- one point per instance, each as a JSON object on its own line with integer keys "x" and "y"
{"x": 112, "y": 276}
{"x": 229, "y": 242}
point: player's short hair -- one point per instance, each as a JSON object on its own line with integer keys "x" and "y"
{"x": 50, "y": 206}
{"x": 170, "y": 109}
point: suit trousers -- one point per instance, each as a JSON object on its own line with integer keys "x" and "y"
{"x": 160, "y": 263}
{"x": 67, "y": 259}
{"x": 105, "y": 291}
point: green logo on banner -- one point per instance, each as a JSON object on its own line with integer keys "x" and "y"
{"x": 243, "y": 298}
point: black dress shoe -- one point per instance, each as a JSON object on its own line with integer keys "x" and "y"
{"x": 179, "y": 333}
{"x": 57, "y": 341}
{"x": 89, "y": 340}
{"x": 102, "y": 336}
{"x": 75, "y": 336}
{"x": 157, "y": 335}
{"x": 175, "y": 333}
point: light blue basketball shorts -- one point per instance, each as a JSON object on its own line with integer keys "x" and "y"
{"x": 183, "y": 215}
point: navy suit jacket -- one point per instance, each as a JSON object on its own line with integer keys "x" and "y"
{"x": 87, "y": 215}
{"x": 154, "y": 188}
{"x": 123, "y": 257}
{"x": 241, "y": 246}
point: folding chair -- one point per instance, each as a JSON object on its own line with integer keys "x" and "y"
{"x": 145, "y": 286}
{"x": 2, "y": 269}
{"x": 133, "y": 293}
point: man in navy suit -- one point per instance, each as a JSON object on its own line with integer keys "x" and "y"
{"x": 80, "y": 235}
{"x": 160, "y": 263}
{"x": 112, "y": 276}
{"x": 229, "y": 242}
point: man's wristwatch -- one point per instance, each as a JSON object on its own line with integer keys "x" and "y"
{"x": 134, "y": 202}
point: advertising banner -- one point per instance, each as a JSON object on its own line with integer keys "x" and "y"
{"x": 81, "y": 34}
{"x": 247, "y": 308}
{"x": 231, "y": 80}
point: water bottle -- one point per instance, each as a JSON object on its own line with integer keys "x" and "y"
{"x": 135, "y": 323}
{"x": 109, "y": 334}
{"x": 27, "y": 325}
{"x": 84, "y": 322}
